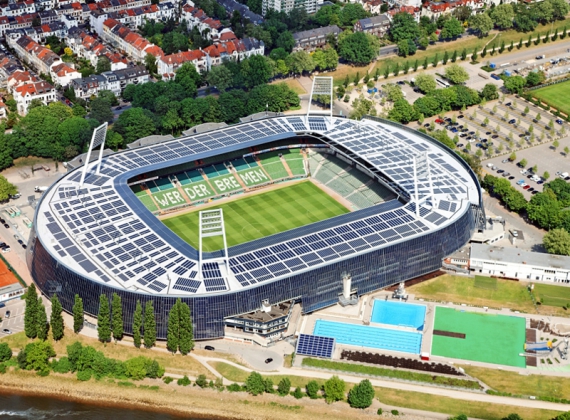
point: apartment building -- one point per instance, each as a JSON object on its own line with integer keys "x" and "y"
{"x": 115, "y": 81}
{"x": 311, "y": 6}
{"x": 26, "y": 87}
{"x": 314, "y": 38}
{"x": 375, "y": 25}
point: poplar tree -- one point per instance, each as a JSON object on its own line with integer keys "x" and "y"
{"x": 173, "y": 330}
{"x": 56, "y": 319}
{"x": 104, "y": 320}
{"x": 77, "y": 314}
{"x": 117, "y": 310}
{"x": 137, "y": 324}
{"x": 31, "y": 312}
{"x": 42, "y": 322}
{"x": 186, "y": 332}
{"x": 149, "y": 325}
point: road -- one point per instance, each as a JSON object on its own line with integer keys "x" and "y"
{"x": 524, "y": 54}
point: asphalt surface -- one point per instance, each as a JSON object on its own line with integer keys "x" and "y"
{"x": 528, "y": 54}
{"x": 15, "y": 323}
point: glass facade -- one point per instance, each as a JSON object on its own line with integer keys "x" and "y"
{"x": 316, "y": 288}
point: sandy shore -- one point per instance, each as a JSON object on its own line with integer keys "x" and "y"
{"x": 177, "y": 400}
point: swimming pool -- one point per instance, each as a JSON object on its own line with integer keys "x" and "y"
{"x": 398, "y": 313}
{"x": 366, "y": 336}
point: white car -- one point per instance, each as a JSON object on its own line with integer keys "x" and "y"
{"x": 523, "y": 185}
{"x": 7, "y": 249}
{"x": 524, "y": 171}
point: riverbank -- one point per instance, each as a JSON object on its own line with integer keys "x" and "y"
{"x": 176, "y": 400}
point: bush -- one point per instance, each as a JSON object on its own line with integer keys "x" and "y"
{"x": 63, "y": 365}
{"x": 2, "y": 368}
{"x": 298, "y": 393}
{"x": 313, "y": 389}
{"x": 184, "y": 381}
{"x": 361, "y": 395}
{"x": 126, "y": 384}
{"x": 395, "y": 412}
{"x": 167, "y": 379}
{"x": 5, "y": 352}
{"x": 379, "y": 412}
{"x": 254, "y": 384}
{"x": 202, "y": 382}
{"x": 84, "y": 375}
{"x": 284, "y": 387}
{"x": 234, "y": 387}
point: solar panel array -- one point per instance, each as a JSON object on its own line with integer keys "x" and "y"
{"x": 94, "y": 228}
{"x": 316, "y": 346}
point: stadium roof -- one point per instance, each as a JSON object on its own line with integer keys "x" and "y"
{"x": 103, "y": 232}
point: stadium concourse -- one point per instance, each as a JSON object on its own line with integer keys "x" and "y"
{"x": 413, "y": 202}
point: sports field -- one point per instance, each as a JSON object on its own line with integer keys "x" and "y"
{"x": 488, "y": 338}
{"x": 253, "y": 217}
{"x": 556, "y": 95}
{"x": 552, "y": 295}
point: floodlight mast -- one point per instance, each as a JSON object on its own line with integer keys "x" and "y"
{"x": 321, "y": 86}
{"x": 211, "y": 223}
{"x": 97, "y": 139}
{"x": 422, "y": 177}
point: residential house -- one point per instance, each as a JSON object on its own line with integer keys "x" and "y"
{"x": 374, "y": 7}
{"x": 375, "y": 25}
{"x": 412, "y": 10}
{"x": 62, "y": 74}
{"x": 168, "y": 64}
{"x": 3, "y": 109}
{"x": 197, "y": 18}
{"x": 232, "y": 5}
{"x": 115, "y": 81}
{"x": 127, "y": 41}
{"x": 25, "y": 92}
{"x": 435, "y": 9}
{"x": 13, "y": 9}
{"x": 38, "y": 56}
{"x": 314, "y": 38}
{"x": 287, "y": 5}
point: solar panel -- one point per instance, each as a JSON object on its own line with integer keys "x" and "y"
{"x": 315, "y": 345}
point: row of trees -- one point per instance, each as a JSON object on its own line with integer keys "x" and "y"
{"x": 35, "y": 318}
{"x": 334, "y": 389}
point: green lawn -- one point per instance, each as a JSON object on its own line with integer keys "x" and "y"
{"x": 488, "y": 338}
{"x": 552, "y": 295}
{"x": 555, "y": 95}
{"x": 261, "y": 215}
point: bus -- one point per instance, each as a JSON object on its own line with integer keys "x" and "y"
{"x": 442, "y": 83}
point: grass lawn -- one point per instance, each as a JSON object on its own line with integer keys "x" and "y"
{"x": 508, "y": 294}
{"x": 505, "y": 381}
{"x": 482, "y": 282}
{"x": 488, "y": 338}
{"x": 293, "y": 84}
{"x": 552, "y": 295}
{"x": 555, "y": 95}
{"x": 235, "y": 374}
{"x": 260, "y": 215}
{"x": 480, "y": 410}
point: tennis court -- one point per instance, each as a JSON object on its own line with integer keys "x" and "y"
{"x": 487, "y": 338}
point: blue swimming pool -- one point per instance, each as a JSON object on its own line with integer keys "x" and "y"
{"x": 398, "y": 313}
{"x": 366, "y": 336}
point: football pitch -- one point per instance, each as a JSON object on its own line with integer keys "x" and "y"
{"x": 256, "y": 216}
{"x": 487, "y": 338}
{"x": 556, "y": 95}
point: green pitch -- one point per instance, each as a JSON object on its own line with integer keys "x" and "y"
{"x": 488, "y": 338}
{"x": 556, "y": 95}
{"x": 261, "y": 215}
{"x": 552, "y": 295}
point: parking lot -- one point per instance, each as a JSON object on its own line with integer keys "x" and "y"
{"x": 15, "y": 323}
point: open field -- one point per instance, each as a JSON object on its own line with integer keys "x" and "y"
{"x": 261, "y": 215}
{"x": 505, "y": 381}
{"x": 552, "y": 295}
{"x": 555, "y": 95}
{"x": 488, "y": 338}
{"x": 458, "y": 289}
{"x": 482, "y": 282}
{"x": 480, "y": 410}
{"x": 293, "y": 84}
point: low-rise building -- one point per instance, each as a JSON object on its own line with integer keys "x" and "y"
{"x": 375, "y": 25}
{"x": 25, "y": 93}
{"x": 62, "y": 74}
{"x": 315, "y": 38}
{"x": 168, "y": 64}
{"x": 435, "y": 9}
{"x": 38, "y": 56}
{"x": 232, "y": 5}
{"x": 127, "y": 41}
{"x": 513, "y": 262}
{"x": 115, "y": 81}
{"x": 287, "y": 5}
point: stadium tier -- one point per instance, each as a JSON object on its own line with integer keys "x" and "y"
{"x": 100, "y": 237}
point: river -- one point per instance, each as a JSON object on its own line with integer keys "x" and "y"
{"x": 26, "y": 407}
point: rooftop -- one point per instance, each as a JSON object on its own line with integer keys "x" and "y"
{"x": 518, "y": 256}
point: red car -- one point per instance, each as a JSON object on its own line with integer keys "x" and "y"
{"x": 439, "y": 121}
{"x": 526, "y": 187}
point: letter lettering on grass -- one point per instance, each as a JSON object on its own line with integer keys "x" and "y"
{"x": 220, "y": 184}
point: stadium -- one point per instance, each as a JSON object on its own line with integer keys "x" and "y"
{"x": 304, "y": 209}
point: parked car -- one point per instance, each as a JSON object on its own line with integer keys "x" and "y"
{"x": 506, "y": 174}
{"x": 505, "y": 161}
{"x": 494, "y": 136}
{"x": 268, "y": 360}
{"x": 211, "y": 348}
{"x": 459, "y": 144}
{"x": 6, "y": 331}
{"x": 512, "y": 121}
{"x": 6, "y": 225}
{"x": 559, "y": 121}
{"x": 494, "y": 76}
{"x": 438, "y": 121}
{"x": 460, "y": 116}
{"x": 526, "y": 187}
{"x": 454, "y": 130}
{"x": 500, "y": 171}
{"x": 7, "y": 314}
{"x": 508, "y": 104}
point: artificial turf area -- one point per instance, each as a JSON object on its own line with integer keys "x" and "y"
{"x": 556, "y": 95}
{"x": 256, "y": 216}
{"x": 488, "y": 338}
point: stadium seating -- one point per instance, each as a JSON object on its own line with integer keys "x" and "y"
{"x": 272, "y": 164}
{"x": 163, "y": 183}
{"x": 294, "y": 160}
{"x": 148, "y": 203}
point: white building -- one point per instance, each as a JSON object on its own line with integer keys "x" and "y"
{"x": 519, "y": 264}
{"x": 287, "y": 5}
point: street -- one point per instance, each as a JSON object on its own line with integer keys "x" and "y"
{"x": 16, "y": 321}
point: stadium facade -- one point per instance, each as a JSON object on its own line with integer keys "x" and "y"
{"x": 99, "y": 238}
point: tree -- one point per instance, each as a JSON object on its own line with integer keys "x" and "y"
{"x": 300, "y": 62}
{"x": 334, "y": 389}
{"x": 403, "y": 112}
{"x": 101, "y": 110}
{"x": 560, "y": 9}
{"x": 254, "y": 384}
{"x": 285, "y": 41}
{"x": 31, "y": 312}
{"x": 186, "y": 337}
{"x": 456, "y": 74}
{"x": 188, "y": 78}
{"x": 361, "y": 395}
{"x": 452, "y": 28}
{"x": 425, "y": 83}
{"x": 557, "y": 241}
{"x": 566, "y": 151}
{"x": 546, "y": 175}
{"x": 137, "y": 324}
{"x": 221, "y": 77}
{"x": 77, "y": 314}
{"x": 515, "y": 84}
{"x": 535, "y": 78}
{"x": 445, "y": 58}
{"x": 284, "y": 387}
{"x": 103, "y": 64}
{"x": 503, "y": 16}
{"x": 104, "y": 320}
{"x": 474, "y": 55}
{"x": 117, "y": 317}
{"x": 481, "y": 23}
{"x": 454, "y": 57}
{"x": 538, "y": 116}
{"x": 173, "y": 328}
{"x": 5, "y": 352}
{"x": 42, "y": 322}
{"x": 268, "y": 383}
{"x": 134, "y": 124}
{"x": 403, "y": 27}
{"x": 255, "y": 71}
{"x": 555, "y": 144}
{"x": 150, "y": 64}
{"x": 149, "y": 325}
{"x": 490, "y": 92}
{"x": 56, "y": 319}
{"x": 313, "y": 389}
{"x": 357, "y": 48}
